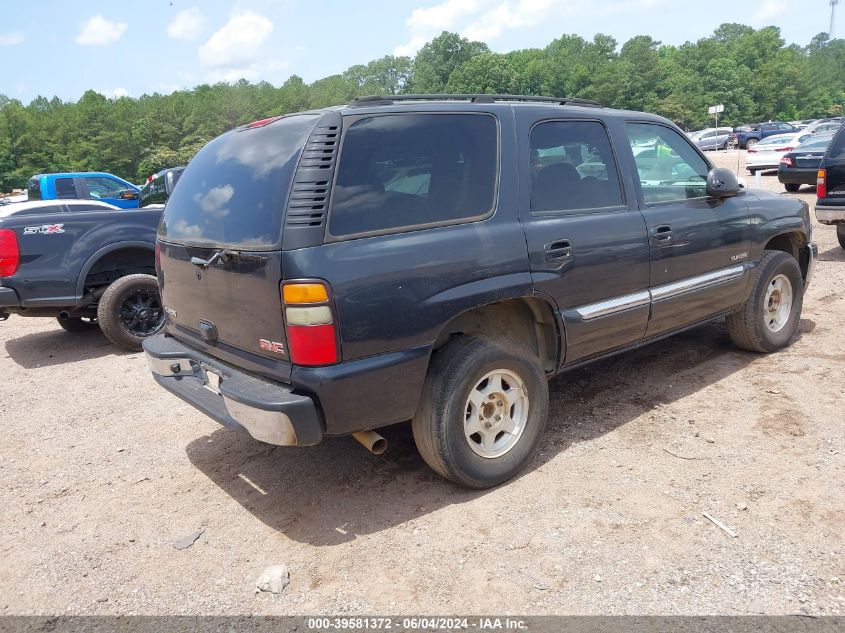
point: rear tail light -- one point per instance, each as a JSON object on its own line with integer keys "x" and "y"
{"x": 821, "y": 184}
{"x": 309, "y": 323}
{"x": 786, "y": 160}
{"x": 262, "y": 122}
{"x": 10, "y": 254}
{"x": 784, "y": 149}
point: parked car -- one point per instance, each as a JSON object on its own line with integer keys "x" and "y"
{"x": 829, "y": 123}
{"x": 411, "y": 258}
{"x": 766, "y": 154}
{"x": 746, "y": 136}
{"x": 830, "y": 188}
{"x": 714, "y": 139}
{"x": 801, "y": 165}
{"x": 159, "y": 186}
{"x": 84, "y": 186}
{"x": 84, "y": 263}
{"x": 831, "y": 127}
{"x": 38, "y": 207}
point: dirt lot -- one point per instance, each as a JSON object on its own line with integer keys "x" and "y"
{"x": 101, "y": 472}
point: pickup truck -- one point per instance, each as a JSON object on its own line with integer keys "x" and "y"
{"x": 84, "y": 263}
{"x": 438, "y": 258}
{"x": 746, "y": 136}
{"x": 830, "y": 187}
{"x": 84, "y": 186}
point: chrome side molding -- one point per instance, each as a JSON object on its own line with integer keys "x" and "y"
{"x": 658, "y": 293}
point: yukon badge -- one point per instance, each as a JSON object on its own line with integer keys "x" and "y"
{"x": 46, "y": 229}
{"x": 271, "y": 346}
{"x": 739, "y": 256}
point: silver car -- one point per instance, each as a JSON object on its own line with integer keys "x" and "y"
{"x": 714, "y": 139}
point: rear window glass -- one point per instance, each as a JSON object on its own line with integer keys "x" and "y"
{"x": 33, "y": 188}
{"x": 406, "y": 170}
{"x": 234, "y": 190}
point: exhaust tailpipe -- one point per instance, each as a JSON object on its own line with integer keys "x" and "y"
{"x": 372, "y": 441}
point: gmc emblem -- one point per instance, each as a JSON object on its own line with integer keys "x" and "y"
{"x": 271, "y": 346}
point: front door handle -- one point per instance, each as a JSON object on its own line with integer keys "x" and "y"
{"x": 662, "y": 233}
{"x": 557, "y": 250}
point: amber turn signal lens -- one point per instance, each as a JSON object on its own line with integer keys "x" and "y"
{"x": 305, "y": 293}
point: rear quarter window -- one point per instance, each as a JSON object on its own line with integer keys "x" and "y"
{"x": 65, "y": 189}
{"x": 403, "y": 171}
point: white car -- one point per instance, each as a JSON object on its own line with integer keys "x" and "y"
{"x": 767, "y": 153}
{"x": 40, "y": 207}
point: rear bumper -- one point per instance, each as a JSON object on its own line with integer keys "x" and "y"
{"x": 798, "y": 176}
{"x": 268, "y": 411}
{"x": 827, "y": 214}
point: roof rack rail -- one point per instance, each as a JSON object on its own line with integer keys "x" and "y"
{"x": 473, "y": 98}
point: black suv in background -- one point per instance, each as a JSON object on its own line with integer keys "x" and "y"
{"x": 438, "y": 258}
{"x": 830, "y": 186}
{"x": 159, "y": 186}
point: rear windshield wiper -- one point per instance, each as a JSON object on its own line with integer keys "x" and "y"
{"x": 222, "y": 255}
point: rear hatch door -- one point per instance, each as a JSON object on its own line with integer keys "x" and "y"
{"x": 220, "y": 245}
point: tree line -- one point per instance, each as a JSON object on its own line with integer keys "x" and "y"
{"x": 753, "y": 72}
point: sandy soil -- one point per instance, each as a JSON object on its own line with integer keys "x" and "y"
{"x": 101, "y": 472}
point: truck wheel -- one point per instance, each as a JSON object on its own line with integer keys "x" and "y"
{"x": 130, "y": 310}
{"x": 751, "y": 143}
{"x": 483, "y": 411}
{"x": 769, "y": 317}
{"x": 792, "y": 187}
{"x": 840, "y": 234}
{"x": 75, "y": 325}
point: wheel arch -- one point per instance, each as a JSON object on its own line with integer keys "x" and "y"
{"x": 792, "y": 243}
{"x": 532, "y": 321}
{"x": 112, "y": 250}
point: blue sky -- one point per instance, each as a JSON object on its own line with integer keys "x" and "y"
{"x": 64, "y": 47}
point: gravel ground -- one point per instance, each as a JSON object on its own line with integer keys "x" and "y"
{"x": 101, "y": 472}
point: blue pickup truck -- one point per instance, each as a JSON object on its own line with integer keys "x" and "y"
{"x": 84, "y": 263}
{"x": 746, "y": 136}
{"x": 90, "y": 185}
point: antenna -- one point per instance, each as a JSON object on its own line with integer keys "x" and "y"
{"x": 833, "y": 4}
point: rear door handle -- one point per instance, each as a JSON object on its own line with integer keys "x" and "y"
{"x": 557, "y": 250}
{"x": 662, "y": 233}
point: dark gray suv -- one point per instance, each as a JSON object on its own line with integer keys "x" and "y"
{"x": 438, "y": 258}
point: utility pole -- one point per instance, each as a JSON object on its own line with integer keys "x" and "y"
{"x": 832, "y": 28}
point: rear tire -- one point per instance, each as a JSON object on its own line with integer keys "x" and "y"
{"x": 77, "y": 325}
{"x": 477, "y": 383}
{"x": 840, "y": 234}
{"x": 768, "y": 319}
{"x": 751, "y": 143}
{"x": 130, "y": 310}
{"x": 792, "y": 187}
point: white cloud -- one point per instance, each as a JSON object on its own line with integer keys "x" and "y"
{"x": 771, "y": 9}
{"x": 214, "y": 201}
{"x": 115, "y": 93}
{"x": 11, "y": 39}
{"x": 237, "y": 42}
{"x": 187, "y": 25}
{"x": 486, "y": 20}
{"x": 98, "y": 31}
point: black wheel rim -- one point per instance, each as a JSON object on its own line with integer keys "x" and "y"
{"x": 141, "y": 313}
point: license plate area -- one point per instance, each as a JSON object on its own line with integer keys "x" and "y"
{"x": 212, "y": 379}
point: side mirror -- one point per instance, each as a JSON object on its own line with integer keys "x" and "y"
{"x": 128, "y": 194}
{"x": 722, "y": 183}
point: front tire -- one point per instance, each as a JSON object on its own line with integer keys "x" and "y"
{"x": 768, "y": 319}
{"x": 77, "y": 325}
{"x": 840, "y": 234}
{"x": 792, "y": 187}
{"x": 482, "y": 413}
{"x": 130, "y": 310}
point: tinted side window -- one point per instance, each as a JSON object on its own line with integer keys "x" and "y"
{"x": 86, "y": 207}
{"x": 65, "y": 189}
{"x": 572, "y": 167}
{"x": 42, "y": 210}
{"x": 837, "y": 147}
{"x": 406, "y": 170}
{"x": 100, "y": 187}
{"x": 669, "y": 168}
